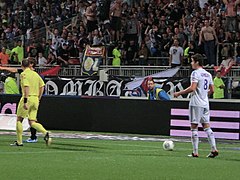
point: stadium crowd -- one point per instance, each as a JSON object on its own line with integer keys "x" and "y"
{"x": 133, "y": 30}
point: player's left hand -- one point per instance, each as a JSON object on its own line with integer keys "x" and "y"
{"x": 25, "y": 106}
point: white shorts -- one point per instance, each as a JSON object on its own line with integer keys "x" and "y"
{"x": 199, "y": 115}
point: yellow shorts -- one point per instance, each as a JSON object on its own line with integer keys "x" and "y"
{"x": 31, "y": 113}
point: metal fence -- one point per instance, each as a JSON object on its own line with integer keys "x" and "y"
{"x": 134, "y": 71}
{"x": 70, "y": 71}
{"x": 140, "y": 71}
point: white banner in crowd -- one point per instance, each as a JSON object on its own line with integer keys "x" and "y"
{"x": 8, "y": 122}
{"x": 138, "y": 81}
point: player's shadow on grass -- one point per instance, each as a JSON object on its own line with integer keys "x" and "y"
{"x": 74, "y": 147}
{"x": 78, "y": 145}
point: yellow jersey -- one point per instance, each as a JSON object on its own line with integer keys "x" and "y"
{"x": 32, "y": 80}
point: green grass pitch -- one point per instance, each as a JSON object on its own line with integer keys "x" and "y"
{"x": 115, "y": 159}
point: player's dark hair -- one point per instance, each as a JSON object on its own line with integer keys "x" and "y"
{"x": 25, "y": 63}
{"x": 198, "y": 58}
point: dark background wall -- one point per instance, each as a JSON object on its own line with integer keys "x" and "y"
{"x": 112, "y": 114}
{"x": 102, "y": 115}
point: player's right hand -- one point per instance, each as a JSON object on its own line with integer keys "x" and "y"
{"x": 176, "y": 94}
{"x": 25, "y": 106}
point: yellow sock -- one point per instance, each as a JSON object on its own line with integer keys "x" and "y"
{"x": 19, "y": 130}
{"x": 39, "y": 127}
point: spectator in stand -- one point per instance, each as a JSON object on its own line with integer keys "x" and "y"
{"x": 153, "y": 37}
{"x": 72, "y": 45}
{"x": 81, "y": 9}
{"x": 147, "y": 41}
{"x": 188, "y": 53}
{"x": 51, "y": 59}
{"x": 107, "y": 32}
{"x": 46, "y": 46}
{"x": 10, "y": 84}
{"x": 32, "y": 50}
{"x": 164, "y": 47}
{"x": 131, "y": 53}
{"x": 181, "y": 36}
{"x": 42, "y": 61}
{"x": 143, "y": 54}
{"x": 17, "y": 53}
{"x": 97, "y": 38}
{"x": 176, "y": 54}
{"x": 225, "y": 51}
{"x": 116, "y": 55}
{"x": 231, "y": 17}
{"x": 63, "y": 55}
{"x": 54, "y": 37}
{"x": 36, "y": 20}
{"x": 116, "y": 14}
{"x": 16, "y": 30}
{"x": 218, "y": 86}
{"x": 209, "y": 38}
{"x": 91, "y": 15}
{"x": 4, "y": 57}
{"x": 187, "y": 16}
{"x": 132, "y": 28}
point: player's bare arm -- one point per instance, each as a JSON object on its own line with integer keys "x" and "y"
{"x": 190, "y": 89}
{"x": 211, "y": 89}
{"x": 13, "y": 70}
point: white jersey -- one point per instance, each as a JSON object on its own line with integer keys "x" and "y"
{"x": 177, "y": 53}
{"x": 199, "y": 97}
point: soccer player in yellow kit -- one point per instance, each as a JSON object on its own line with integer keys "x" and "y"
{"x": 32, "y": 89}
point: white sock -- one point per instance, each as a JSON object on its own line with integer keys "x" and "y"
{"x": 195, "y": 140}
{"x": 211, "y": 138}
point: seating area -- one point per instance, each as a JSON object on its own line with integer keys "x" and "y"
{"x": 46, "y": 30}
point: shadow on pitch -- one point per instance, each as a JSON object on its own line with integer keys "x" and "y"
{"x": 77, "y": 145}
{"x": 74, "y": 147}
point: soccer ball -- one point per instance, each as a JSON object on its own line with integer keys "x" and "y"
{"x": 168, "y": 145}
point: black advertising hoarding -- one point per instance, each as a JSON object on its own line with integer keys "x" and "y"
{"x": 110, "y": 114}
{"x": 107, "y": 114}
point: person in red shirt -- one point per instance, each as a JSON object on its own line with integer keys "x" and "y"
{"x": 4, "y": 57}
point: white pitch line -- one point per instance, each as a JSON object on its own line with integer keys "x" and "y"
{"x": 38, "y": 152}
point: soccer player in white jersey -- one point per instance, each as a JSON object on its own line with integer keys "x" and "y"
{"x": 201, "y": 86}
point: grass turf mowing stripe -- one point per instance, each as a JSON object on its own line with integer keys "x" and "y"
{"x": 108, "y": 159}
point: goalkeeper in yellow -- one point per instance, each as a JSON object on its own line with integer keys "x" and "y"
{"x": 32, "y": 89}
